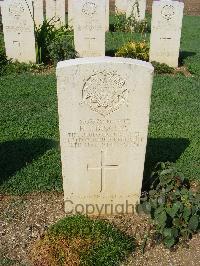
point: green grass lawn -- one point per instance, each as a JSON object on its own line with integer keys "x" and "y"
{"x": 29, "y": 136}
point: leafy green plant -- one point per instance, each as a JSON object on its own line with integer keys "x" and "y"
{"x": 8, "y": 66}
{"x": 138, "y": 50}
{"x": 162, "y": 68}
{"x": 120, "y": 22}
{"x": 62, "y": 46}
{"x": 53, "y": 44}
{"x": 44, "y": 35}
{"x": 130, "y": 24}
{"x": 172, "y": 204}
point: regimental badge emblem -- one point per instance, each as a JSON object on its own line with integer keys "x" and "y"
{"x": 89, "y": 8}
{"x": 105, "y": 92}
{"x": 168, "y": 12}
{"x": 16, "y": 9}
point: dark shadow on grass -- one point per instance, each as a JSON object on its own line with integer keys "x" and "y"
{"x": 111, "y": 52}
{"x": 161, "y": 150}
{"x": 112, "y": 27}
{"x": 14, "y": 155}
{"x": 184, "y": 55}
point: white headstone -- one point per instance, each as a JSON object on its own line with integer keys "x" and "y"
{"x": 89, "y": 27}
{"x": 56, "y": 9}
{"x": 107, "y": 15}
{"x": 103, "y": 106}
{"x": 166, "y": 28}
{"x": 38, "y": 11}
{"x": 121, "y": 6}
{"x": 71, "y": 15}
{"x": 136, "y": 8}
{"x": 18, "y": 29}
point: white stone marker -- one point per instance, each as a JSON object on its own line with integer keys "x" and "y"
{"x": 18, "y": 29}
{"x": 103, "y": 106}
{"x": 121, "y": 6}
{"x": 38, "y": 11}
{"x": 107, "y": 15}
{"x": 71, "y": 13}
{"x": 56, "y": 9}
{"x": 166, "y": 28}
{"x": 89, "y": 27}
{"x": 137, "y": 8}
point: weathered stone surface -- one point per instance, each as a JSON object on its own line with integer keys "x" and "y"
{"x": 121, "y": 6}
{"x": 103, "y": 106}
{"x": 71, "y": 15}
{"x": 38, "y": 12}
{"x": 166, "y": 28}
{"x": 89, "y": 27}
{"x": 18, "y": 29}
{"x": 107, "y": 17}
{"x": 56, "y": 9}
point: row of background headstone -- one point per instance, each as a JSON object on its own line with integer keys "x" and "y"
{"x": 89, "y": 32}
{"x": 192, "y": 7}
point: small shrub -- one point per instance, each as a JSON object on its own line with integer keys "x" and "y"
{"x": 137, "y": 50}
{"x": 130, "y": 24}
{"x": 44, "y": 35}
{"x": 8, "y": 66}
{"x": 62, "y": 46}
{"x": 162, "y": 68}
{"x": 53, "y": 44}
{"x": 120, "y": 22}
{"x": 172, "y": 204}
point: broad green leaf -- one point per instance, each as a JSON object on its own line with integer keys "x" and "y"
{"x": 186, "y": 213}
{"x": 166, "y": 172}
{"x": 161, "y": 200}
{"x": 167, "y": 232}
{"x": 158, "y": 211}
{"x": 194, "y": 222}
{"x": 147, "y": 207}
{"x": 177, "y": 222}
{"x": 174, "y": 209}
{"x": 175, "y": 232}
{"x": 162, "y": 218}
{"x": 152, "y": 192}
{"x": 169, "y": 242}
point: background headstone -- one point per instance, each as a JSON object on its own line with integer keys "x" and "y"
{"x": 18, "y": 29}
{"x": 121, "y": 6}
{"x": 107, "y": 15}
{"x": 70, "y": 13}
{"x": 89, "y": 27}
{"x": 56, "y": 9}
{"x": 38, "y": 10}
{"x": 137, "y": 8}
{"x": 103, "y": 106}
{"x": 166, "y": 28}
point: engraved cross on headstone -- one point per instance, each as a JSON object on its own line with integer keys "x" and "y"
{"x": 90, "y": 39}
{"x": 17, "y": 47}
{"x": 103, "y": 167}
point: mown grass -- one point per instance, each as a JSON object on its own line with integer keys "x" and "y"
{"x": 29, "y": 137}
